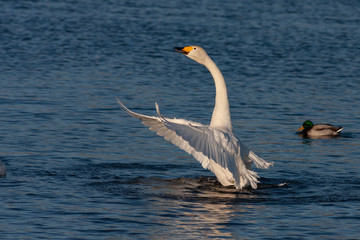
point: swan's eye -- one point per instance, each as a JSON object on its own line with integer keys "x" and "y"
{"x": 195, "y": 48}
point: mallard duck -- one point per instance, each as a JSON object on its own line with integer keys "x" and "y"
{"x": 319, "y": 130}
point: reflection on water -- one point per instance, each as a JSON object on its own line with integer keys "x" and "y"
{"x": 202, "y": 188}
{"x": 189, "y": 208}
{"x": 197, "y": 208}
{"x": 191, "y": 220}
{"x": 305, "y": 136}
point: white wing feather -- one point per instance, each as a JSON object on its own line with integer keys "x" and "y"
{"x": 211, "y": 147}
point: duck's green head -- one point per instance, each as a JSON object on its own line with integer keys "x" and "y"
{"x": 307, "y": 125}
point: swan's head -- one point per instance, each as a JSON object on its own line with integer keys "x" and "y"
{"x": 196, "y": 53}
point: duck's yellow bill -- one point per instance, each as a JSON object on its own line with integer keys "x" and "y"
{"x": 300, "y": 129}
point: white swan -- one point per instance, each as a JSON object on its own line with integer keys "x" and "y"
{"x": 214, "y": 146}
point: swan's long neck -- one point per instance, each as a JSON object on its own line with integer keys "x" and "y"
{"x": 221, "y": 115}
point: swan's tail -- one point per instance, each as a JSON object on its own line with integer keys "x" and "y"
{"x": 249, "y": 179}
{"x": 259, "y": 162}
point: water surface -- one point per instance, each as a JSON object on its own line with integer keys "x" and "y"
{"x": 80, "y": 168}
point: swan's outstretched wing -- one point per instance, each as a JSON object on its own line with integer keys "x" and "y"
{"x": 206, "y": 145}
{"x": 151, "y": 122}
{"x": 157, "y": 124}
{"x": 222, "y": 148}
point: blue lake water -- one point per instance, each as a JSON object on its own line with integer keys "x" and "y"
{"x": 80, "y": 168}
